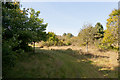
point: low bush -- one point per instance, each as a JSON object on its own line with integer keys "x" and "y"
{"x": 68, "y": 43}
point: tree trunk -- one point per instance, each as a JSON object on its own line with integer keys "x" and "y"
{"x": 87, "y": 47}
{"x": 34, "y": 47}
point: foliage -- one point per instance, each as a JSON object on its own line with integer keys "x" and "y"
{"x": 99, "y": 32}
{"x": 54, "y": 40}
{"x": 91, "y": 35}
{"x": 68, "y": 35}
{"x": 18, "y": 30}
{"x": 111, "y": 33}
{"x": 68, "y": 43}
{"x": 86, "y": 34}
{"x": 64, "y": 34}
{"x": 52, "y": 36}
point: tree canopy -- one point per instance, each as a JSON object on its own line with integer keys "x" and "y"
{"x": 99, "y": 31}
{"x": 68, "y": 35}
{"x": 111, "y": 33}
{"x": 86, "y": 34}
{"x": 18, "y": 30}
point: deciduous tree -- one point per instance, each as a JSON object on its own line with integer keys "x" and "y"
{"x": 111, "y": 33}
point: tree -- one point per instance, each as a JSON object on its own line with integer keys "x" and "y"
{"x": 99, "y": 32}
{"x": 69, "y": 35}
{"x": 86, "y": 34}
{"x": 111, "y": 33}
{"x": 18, "y": 30}
{"x": 10, "y": 24}
{"x": 52, "y": 38}
{"x": 14, "y": 25}
{"x": 64, "y": 34}
{"x": 38, "y": 27}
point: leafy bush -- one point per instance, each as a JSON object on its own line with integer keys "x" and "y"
{"x": 68, "y": 35}
{"x": 52, "y": 40}
{"x": 68, "y": 43}
{"x": 8, "y": 57}
{"x": 20, "y": 51}
{"x": 103, "y": 46}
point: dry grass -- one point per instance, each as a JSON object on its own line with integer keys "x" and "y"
{"x": 67, "y": 62}
{"x": 105, "y": 59}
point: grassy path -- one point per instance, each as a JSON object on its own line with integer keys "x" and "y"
{"x": 54, "y": 64}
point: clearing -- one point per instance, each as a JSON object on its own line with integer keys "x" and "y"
{"x": 66, "y": 62}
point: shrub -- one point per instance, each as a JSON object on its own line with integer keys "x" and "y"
{"x": 8, "y": 58}
{"x": 68, "y": 43}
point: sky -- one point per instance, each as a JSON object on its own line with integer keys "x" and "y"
{"x": 69, "y": 17}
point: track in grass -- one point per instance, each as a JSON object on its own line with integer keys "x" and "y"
{"x": 54, "y": 64}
